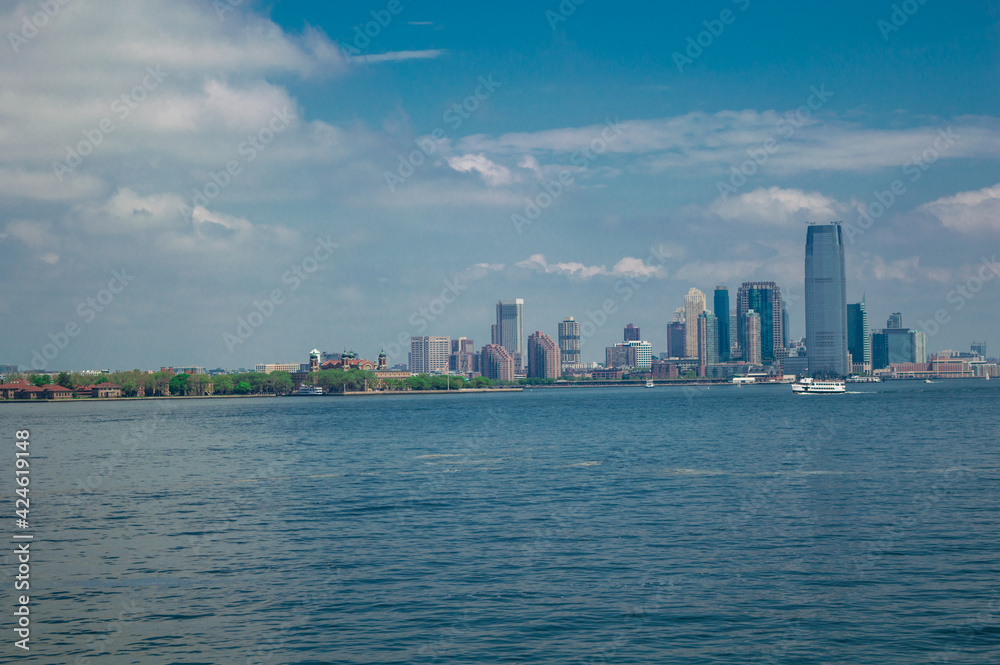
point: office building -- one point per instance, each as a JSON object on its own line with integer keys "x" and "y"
{"x": 894, "y": 346}
{"x": 979, "y": 348}
{"x": 496, "y": 363}
{"x": 429, "y": 355}
{"x": 752, "y": 352}
{"x": 694, "y": 304}
{"x": 721, "y": 303}
{"x": 509, "y": 331}
{"x": 895, "y": 321}
{"x": 919, "y": 340}
{"x": 267, "y": 368}
{"x": 675, "y": 339}
{"x": 734, "y": 345}
{"x": 826, "y": 300}
{"x": 462, "y": 357}
{"x": 543, "y": 357}
{"x": 631, "y": 333}
{"x": 764, "y": 298}
{"x": 708, "y": 339}
{"x": 569, "y": 342}
{"x": 858, "y": 337}
{"x": 635, "y": 354}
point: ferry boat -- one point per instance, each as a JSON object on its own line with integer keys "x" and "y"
{"x": 864, "y": 379}
{"x": 824, "y": 386}
{"x": 309, "y": 390}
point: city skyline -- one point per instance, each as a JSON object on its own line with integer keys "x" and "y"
{"x": 302, "y": 183}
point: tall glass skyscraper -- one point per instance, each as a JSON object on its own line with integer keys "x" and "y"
{"x": 826, "y": 300}
{"x": 722, "y": 314}
{"x": 509, "y": 330}
{"x": 858, "y": 339}
{"x": 764, "y": 298}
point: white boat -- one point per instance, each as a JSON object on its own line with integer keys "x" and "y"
{"x": 309, "y": 390}
{"x": 819, "y": 386}
{"x": 928, "y": 381}
{"x": 743, "y": 380}
{"x": 650, "y": 384}
{"x": 864, "y": 379}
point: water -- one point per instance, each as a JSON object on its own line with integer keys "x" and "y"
{"x": 674, "y": 525}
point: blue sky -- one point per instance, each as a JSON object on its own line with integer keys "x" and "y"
{"x": 250, "y": 141}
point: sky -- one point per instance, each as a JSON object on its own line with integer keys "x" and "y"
{"x": 237, "y": 182}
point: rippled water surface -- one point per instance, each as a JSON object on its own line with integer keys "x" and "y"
{"x": 673, "y": 525}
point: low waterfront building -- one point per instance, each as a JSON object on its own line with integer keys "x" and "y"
{"x": 56, "y": 392}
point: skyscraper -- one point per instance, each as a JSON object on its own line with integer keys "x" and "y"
{"x": 708, "y": 339}
{"x": 675, "y": 339}
{"x": 631, "y": 333}
{"x": 543, "y": 357}
{"x": 569, "y": 342}
{"x": 764, "y": 298}
{"x": 462, "y": 358}
{"x": 919, "y": 340}
{"x": 751, "y": 352}
{"x": 979, "y": 348}
{"x": 722, "y": 317}
{"x": 858, "y": 339}
{"x": 694, "y": 304}
{"x": 429, "y": 354}
{"x": 895, "y": 321}
{"x": 510, "y": 328}
{"x": 826, "y": 300}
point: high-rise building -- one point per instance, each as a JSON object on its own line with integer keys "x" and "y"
{"x": 979, "y": 348}
{"x": 569, "y": 342}
{"x": 895, "y": 345}
{"x": 708, "y": 339}
{"x": 496, "y": 363}
{"x": 858, "y": 337}
{"x": 694, "y": 304}
{"x": 826, "y": 300}
{"x": 752, "y": 352}
{"x": 919, "y": 340}
{"x": 510, "y": 326}
{"x": 895, "y": 321}
{"x": 721, "y": 303}
{"x": 631, "y": 333}
{"x": 429, "y": 355}
{"x": 675, "y": 339}
{"x": 734, "y": 345}
{"x": 543, "y": 357}
{"x": 764, "y": 298}
{"x": 640, "y": 354}
{"x": 462, "y": 357}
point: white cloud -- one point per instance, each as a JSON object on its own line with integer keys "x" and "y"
{"x": 968, "y": 212}
{"x": 778, "y": 207}
{"x": 398, "y": 56}
{"x": 491, "y": 173}
{"x": 626, "y": 267}
{"x": 905, "y": 270}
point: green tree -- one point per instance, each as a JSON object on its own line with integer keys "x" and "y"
{"x": 222, "y": 384}
{"x": 242, "y": 388}
{"x": 65, "y": 380}
{"x": 40, "y": 380}
{"x": 282, "y": 383}
{"x": 179, "y": 384}
{"x": 690, "y": 374}
{"x": 129, "y": 387}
